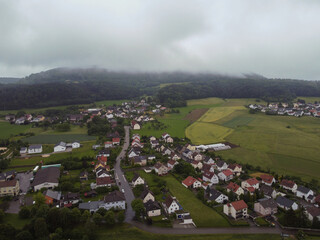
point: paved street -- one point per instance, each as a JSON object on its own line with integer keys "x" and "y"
{"x": 121, "y": 180}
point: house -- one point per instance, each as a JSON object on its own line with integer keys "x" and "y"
{"x": 23, "y": 150}
{"x": 68, "y": 199}
{"x": 174, "y": 156}
{"x": 235, "y": 168}
{"x": 167, "y": 151}
{"x": 116, "y": 141}
{"x": 35, "y": 149}
{"x": 236, "y": 210}
{"x": 9, "y": 188}
{"x": 152, "y": 208}
{"x": 75, "y": 145}
{"x": 312, "y": 213}
{"x": 160, "y": 169}
{"x": 266, "y": 207}
{"x": 191, "y": 182}
{"x": 286, "y": 203}
{"x": 154, "y": 143}
{"x": 215, "y": 195}
{"x": 84, "y": 176}
{"x": 165, "y": 135}
{"x": 267, "y": 179}
{"x": 46, "y": 178}
{"x": 197, "y": 156}
{"x": 196, "y": 164}
{"x": 114, "y": 200}
{"x": 171, "y": 163}
{"x": 208, "y": 160}
{"x": 268, "y": 191}
{"x": 207, "y": 168}
{"x": 20, "y": 121}
{"x": 135, "y": 125}
{"x": 221, "y": 165}
{"x": 52, "y": 197}
{"x": 152, "y": 138}
{"x": 187, "y": 153}
{"x": 139, "y": 160}
{"x": 134, "y": 152}
{"x": 171, "y": 205}
{"x": 289, "y": 185}
{"x": 169, "y": 140}
{"x": 210, "y": 177}
{"x": 225, "y": 175}
{"x": 303, "y": 192}
{"x": 60, "y": 147}
{"x": 251, "y": 182}
{"x": 147, "y": 195}
{"x": 103, "y": 182}
{"x": 235, "y": 188}
{"x": 151, "y": 157}
{"x": 9, "y": 175}
{"x": 104, "y": 153}
{"x": 91, "y": 193}
{"x": 137, "y": 180}
{"x": 102, "y": 173}
{"x": 317, "y": 199}
{"x": 108, "y": 144}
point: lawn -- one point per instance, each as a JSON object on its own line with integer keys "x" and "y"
{"x": 85, "y": 150}
{"x": 262, "y": 222}
{"x": 56, "y": 138}
{"x": 127, "y": 232}
{"x": 192, "y": 204}
{"x": 15, "y": 221}
{"x": 7, "y": 130}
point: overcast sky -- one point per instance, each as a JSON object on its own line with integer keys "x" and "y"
{"x": 275, "y": 38}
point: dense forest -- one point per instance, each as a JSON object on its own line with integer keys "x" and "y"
{"x": 64, "y": 86}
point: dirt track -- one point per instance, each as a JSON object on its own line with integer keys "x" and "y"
{"x": 196, "y": 114}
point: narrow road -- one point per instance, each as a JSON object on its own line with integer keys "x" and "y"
{"x": 120, "y": 178}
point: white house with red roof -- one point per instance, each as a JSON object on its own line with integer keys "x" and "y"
{"x": 251, "y": 182}
{"x": 289, "y": 185}
{"x": 116, "y": 141}
{"x": 236, "y": 210}
{"x": 108, "y": 144}
{"x": 197, "y": 164}
{"x": 165, "y": 135}
{"x": 235, "y": 188}
{"x": 267, "y": 179}
{"x": 225, "y": 175}
{"x": 171, "y": 163}
{"x": 210, "y": 177}
{"x": 235, "y": 168}
{"x": 191, "y": 182}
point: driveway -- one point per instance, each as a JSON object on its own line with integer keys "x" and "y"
{"x": 121, "y": 180}
{"x": 24, "y": 182}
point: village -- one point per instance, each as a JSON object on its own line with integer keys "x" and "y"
{"x": 137, "y": 176}
{"x": 297, "y": 109}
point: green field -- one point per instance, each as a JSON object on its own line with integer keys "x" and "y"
{"x": 124, "y": 233}
{"x": 287, "y": 145}
{"x": 7, "y": 130}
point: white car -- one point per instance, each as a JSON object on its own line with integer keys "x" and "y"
{"x": 122, "y": 190}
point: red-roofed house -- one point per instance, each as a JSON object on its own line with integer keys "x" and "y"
{"x": 196, "y": 164}
{"x": 191, "y": 182}
{"x": 233, "y": 187}
{"x": 235, "y": 168}
{"x": 104, "y": 182}
{"x": 225, "y": 175}
{"x": 171, "y": 163}
{"x": 251, "y": 182}
{"x": 210, "y": 177}
{"x": 267, "y": 179}
{"x": 317, "y": 199}
{"x": 236, "y": 210}
{"x": 116, "y": 141}
{"x": 289, "y": 185}
{"x": 103, "y": 159}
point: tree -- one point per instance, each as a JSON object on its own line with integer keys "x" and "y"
{"x": 97, "y": 218}
{"x": 138, "y": 207}
{"x": 1, "y": 215}
{"x": 24, "y": 213}
{"x": 109, "y": 218}
{"x": 39, "y": 199}
{"x": 40, "y": 228}
{"x": 24, "y": 235}
{"x": 200, "y": 194}
{"x": 102, "y": 211}
{"x": 85, "y": 216}
{"x": 76, "y": 215}
{"x": 121, "y": 217}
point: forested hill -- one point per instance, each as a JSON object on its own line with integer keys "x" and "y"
{"x": 64, "y": 86}
{"x": 268, "y": 89}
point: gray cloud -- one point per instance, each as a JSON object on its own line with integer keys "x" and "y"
{"x": 273, "y": 38}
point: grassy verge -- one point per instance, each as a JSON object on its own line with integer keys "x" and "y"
{"x": 15, "y": 221}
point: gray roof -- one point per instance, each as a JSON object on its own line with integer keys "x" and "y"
{"x": 35, "y": 146}
{"x": 53, "y": 194}
{"x": 114, "y": 196}
{"x": 50, "y": 174}
{"x": 282, "y": 201}
{"x": 267, "y": 190}
{"x": 303, "y": 189}
{"x": 62, "y": 144}
{"x": 220, "y": 163}
{"x": 214, "y": 194}
{"x": 151, "y": 206}
{"x": 91, "y": 205}
{"x": 269, "y": 203}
